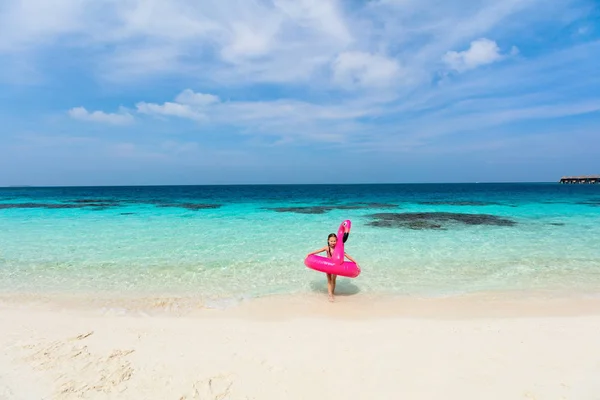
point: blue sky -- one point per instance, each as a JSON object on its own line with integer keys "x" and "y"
{"x": 101, "y": 92}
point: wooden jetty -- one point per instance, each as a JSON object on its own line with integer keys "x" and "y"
{"x": 590, "y": 179}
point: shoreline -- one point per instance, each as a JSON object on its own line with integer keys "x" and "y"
{"x": 499, "y": 304}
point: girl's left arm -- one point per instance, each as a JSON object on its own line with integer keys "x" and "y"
{"x": 350, "y": 258}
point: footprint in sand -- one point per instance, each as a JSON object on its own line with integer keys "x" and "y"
{"x": 77, "y": 370}
{"x": 215, "y": 388}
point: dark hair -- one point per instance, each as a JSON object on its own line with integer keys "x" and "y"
{"x": 328, "y": 248}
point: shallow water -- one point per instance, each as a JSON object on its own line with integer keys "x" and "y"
{"x": 222, "y": 242}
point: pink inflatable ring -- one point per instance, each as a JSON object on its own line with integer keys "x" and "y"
{"x": 336, "y": 264}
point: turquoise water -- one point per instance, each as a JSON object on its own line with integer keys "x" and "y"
{"x": 248, "y": 241}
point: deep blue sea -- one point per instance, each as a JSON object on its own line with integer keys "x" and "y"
{"x": 219, "y": 242}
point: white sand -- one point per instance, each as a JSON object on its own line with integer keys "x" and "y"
{"x": 297, "y": 349}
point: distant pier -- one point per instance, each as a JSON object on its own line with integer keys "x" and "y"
{"x": 589, "y": 179}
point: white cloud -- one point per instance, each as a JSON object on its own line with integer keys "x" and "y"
{"x": 324, "y": 17}
{"x": 358, "y": 69}
{"x": 25, "y": 23}
{"x": 196, "y": 99}
{"x": 385, "y": 53}
{"x": 81, "y": 113}
{"x": 288, "y": 119}
{"x": 187, "y": 104}
{"x": 246, "y": 42}
{"x": 170, "y": 109}
{"x": 481, "y": 52}
{"x": 237, "y": 41}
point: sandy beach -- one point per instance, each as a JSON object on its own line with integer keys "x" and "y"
{"x": 303, "y": 348}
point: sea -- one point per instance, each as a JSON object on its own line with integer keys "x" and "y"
{"x": 222, "y": 243}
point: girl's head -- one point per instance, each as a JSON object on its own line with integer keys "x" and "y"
{"x": 332, "y": 240}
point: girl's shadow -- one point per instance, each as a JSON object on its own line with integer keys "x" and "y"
{"x": 343, "y": 287}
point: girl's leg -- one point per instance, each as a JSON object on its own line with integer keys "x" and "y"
{"x": 333, "y": 278}
{"x": 330, "y": 286}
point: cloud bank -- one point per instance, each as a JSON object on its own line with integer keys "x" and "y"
{"x": 240, "y": 77}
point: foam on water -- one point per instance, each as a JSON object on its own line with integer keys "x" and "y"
{"x": 171, "y": 241}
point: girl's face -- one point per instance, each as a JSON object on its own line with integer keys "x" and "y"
{"x": 332, "y": 241}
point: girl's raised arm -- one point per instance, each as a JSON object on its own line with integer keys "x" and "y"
{"x": 317, "y": 251}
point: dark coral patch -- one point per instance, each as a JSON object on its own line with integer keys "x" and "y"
{"x": 95, "y": 201}
{"x": 92, "y": 205}
{"x": 35, "y": 205}
{"x": 190, "y": 206}
{"x": 590, "y": 202}
{"x": 194, "y": 206}
{"x": 458, "y": 203}
{"x": 40, "y": 205}
{"x": 435, "y": 220}
{"x": 324, "y": 209}
{"x": 101, "y": 205}
{"x": 303, "y": 210}
{"x": 375, "y": 205}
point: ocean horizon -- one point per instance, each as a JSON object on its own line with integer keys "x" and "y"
{"x": 280, "y": 184}
{"x": 243, "y": 241}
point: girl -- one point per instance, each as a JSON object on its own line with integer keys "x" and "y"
{"x": 331, "y": 242}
